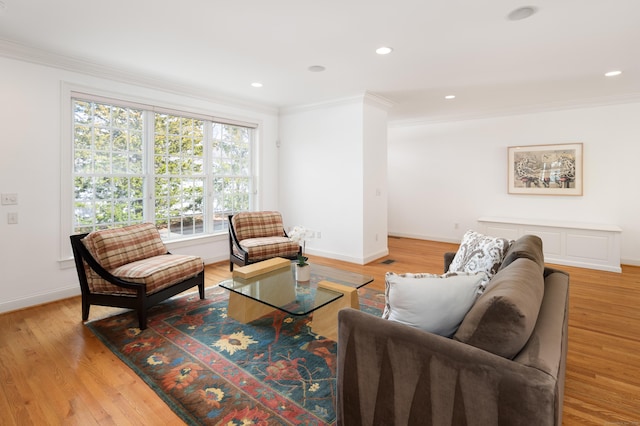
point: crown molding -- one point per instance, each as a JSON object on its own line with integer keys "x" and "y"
{"x": 362, "y": 98}
{"x": 522, "y": 110}
{"x": 12, "y": 50}
{"x": 378, "y": 101}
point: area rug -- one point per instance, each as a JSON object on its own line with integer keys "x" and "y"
{"x": 211, "y": 369}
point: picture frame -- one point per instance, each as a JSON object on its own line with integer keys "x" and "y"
{"x": 545, "y": 169}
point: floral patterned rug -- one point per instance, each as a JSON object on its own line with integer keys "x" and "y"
{"x": 211, "y": 369}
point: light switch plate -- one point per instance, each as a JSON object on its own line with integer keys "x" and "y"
{"x": 9, "y": 199}
{"x": 12, "y": 218}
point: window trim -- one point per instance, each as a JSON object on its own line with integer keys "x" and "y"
{"x": 69, "y": 91}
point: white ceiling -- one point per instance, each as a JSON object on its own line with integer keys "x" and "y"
{"x": 468, "y": 48}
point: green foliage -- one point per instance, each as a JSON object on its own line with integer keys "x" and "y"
{"x": 110, "y": 178}
{"x": 302, "y": 260}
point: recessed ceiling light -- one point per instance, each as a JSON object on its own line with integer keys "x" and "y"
{"x": 256, "y": 84}
{"x": 612, "y": 73}
{"x": 450, "y": 97}
{"x": 384, "y": 50}
{"x": 521, "y": 13}
{"x": 316, "y": 68}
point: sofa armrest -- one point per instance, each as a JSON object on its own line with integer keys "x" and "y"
{"x": 390, "y": 373}
{"x": 448, "y": 258}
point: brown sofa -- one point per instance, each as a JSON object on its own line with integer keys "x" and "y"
{"x": 505, "y": 365}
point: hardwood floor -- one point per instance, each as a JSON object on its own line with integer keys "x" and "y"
{"x": 54, "y": 371}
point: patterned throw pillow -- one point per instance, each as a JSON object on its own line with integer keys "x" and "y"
{"x": 479, "y": 253}
{"x": 434, "y": 303}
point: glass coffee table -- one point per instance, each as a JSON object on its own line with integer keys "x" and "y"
{"x": 328, "y": 291}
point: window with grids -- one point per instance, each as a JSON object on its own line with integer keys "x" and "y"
{"x": 133, "y": 164}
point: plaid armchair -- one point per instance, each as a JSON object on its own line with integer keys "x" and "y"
{"x": 130, "y": 267}
{"x": 256, "y": 236}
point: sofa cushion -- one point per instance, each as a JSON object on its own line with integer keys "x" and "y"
{"x": 115, "y": 247}
{"x": 527, "y": 246}
{"x": 434, "y": 303}
{"x": 502, "y": 319}
{"x": 479, "y": 253}
{"x": 249, "y": 225}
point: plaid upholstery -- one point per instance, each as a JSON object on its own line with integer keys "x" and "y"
{"x": 268, "y": 247}
{"x": 257, "y": 225}
{"x": 119, "y": 246}
{"x": 136, "y": 254}
{"x": 156, "y": 273}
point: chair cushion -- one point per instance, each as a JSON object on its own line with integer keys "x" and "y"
{"x": 116, "y": 247}
{"x": 268, "y": 247}
{"x": 156, "y": 273}
{"x": 248, "y": 225}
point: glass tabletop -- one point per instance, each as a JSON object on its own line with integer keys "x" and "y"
{"x": 280, "y": 289}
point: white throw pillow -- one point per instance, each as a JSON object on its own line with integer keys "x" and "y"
{"x": 434, "y": 303}
{"x": 479, "y": 253}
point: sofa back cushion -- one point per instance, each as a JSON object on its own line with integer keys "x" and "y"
{"x": 257, "y": 225}
{"x": 113, "y": 248}
{"x": 503, "y": 317}
{"x": 527, "y": 246}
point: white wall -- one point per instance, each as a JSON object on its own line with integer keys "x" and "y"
{"x": 333, "y": 158}
{"x": 375, "y": 197}
{"x": 447, "y": 173}
{"x": 34, "y": 265}
{"x": 321, "y": 176}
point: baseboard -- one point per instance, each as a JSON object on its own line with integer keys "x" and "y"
{"x": 216, "y": 259}
{"x": 628, "y": 262}
{"x": 426, "y": 237}
{"x": 39, "y": 299}
{"x": 336, "y": 256}
{"x": 376, "y": 256}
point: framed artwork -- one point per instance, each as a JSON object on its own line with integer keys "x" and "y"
{"x": 545, "y": 169}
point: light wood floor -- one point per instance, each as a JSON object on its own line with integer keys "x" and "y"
{"x": 54, "y": 371}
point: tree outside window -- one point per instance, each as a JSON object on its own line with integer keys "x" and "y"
{"x": 187, "y": 176}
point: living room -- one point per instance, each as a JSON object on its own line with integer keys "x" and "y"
{"x": 354, "y": 167}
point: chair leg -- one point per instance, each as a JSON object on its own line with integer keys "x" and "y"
{"x": 230, "y": 266}
{"x": 85, "y": 308}
{"x": 142, "y": 319}
{"x": 201, "y": 290}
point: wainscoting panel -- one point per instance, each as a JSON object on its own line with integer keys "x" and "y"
{"x": 585, "y": 245}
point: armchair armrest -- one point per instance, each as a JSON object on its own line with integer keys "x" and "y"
{"x": 390, "y": 373}
{"x": 81, "y": 253}
{"x": 234, "y": 245}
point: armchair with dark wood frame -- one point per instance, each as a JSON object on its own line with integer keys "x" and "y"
{"x": 260, "y": 236}
{"x": 137, "y": 297}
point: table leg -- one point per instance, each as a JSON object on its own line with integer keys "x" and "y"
{"x": 325, "y": 319}
{"x": 244, "y": 309}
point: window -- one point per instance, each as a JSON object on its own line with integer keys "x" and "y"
{"x": 135, "y": 163}
{"x": 179, "y": 175}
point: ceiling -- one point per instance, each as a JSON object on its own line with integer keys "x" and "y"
{"x": 468, "y": 48}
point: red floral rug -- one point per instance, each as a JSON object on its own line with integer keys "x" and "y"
{"x": 211, "y": 369}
